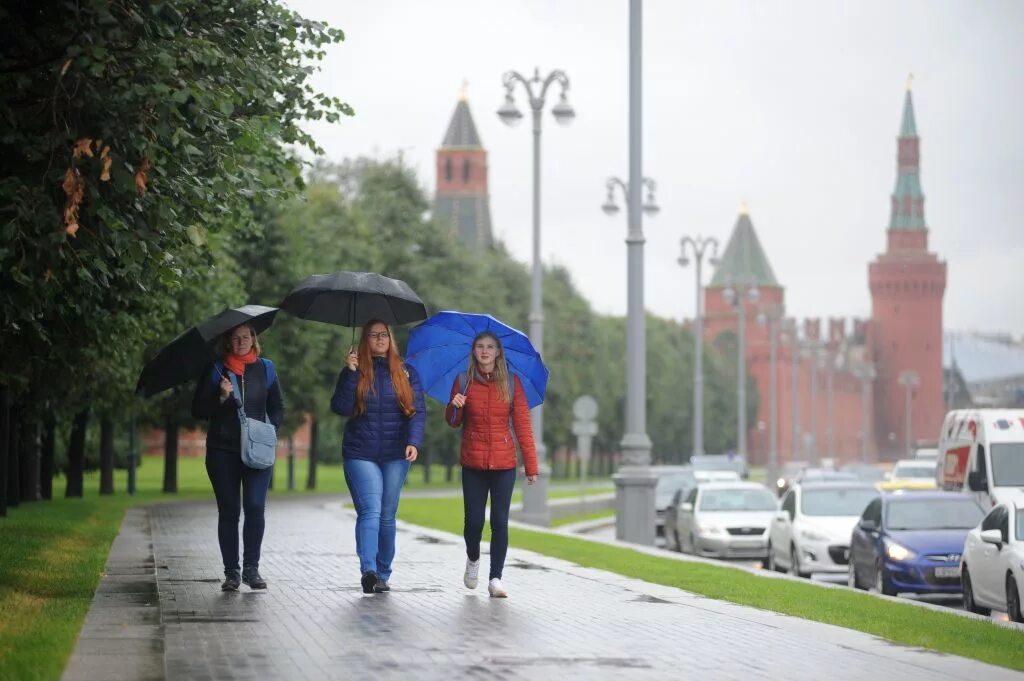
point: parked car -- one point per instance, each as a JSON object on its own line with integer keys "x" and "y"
{"x": 726, "y": 520}
{"x": 667, "y": 516}
{"x": 811, "y": 531}
{"x": 912, "y": 542}
{"x": 787, "y": 475}
{"x": 824, "y": 475}
{"x": 992, "y": 571}
{"x": 910, "y": 474}
{"x": 864, "y": 472}
{"x": 671, "y": 479}
{"x": 981, "y": 452}
{"x": 721, "y": 462}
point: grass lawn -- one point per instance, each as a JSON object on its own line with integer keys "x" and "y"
{"x": 594, "y": 515}
{"x": 901, "y": 623}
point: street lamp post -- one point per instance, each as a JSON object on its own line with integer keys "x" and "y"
{"x": 830, "y": 366}
{"x": 795, "y": 351}
{"x": 738, "y": 298}
{"x": 535, "y": 506}
{"x": 698, "y": 246}
{"x": 814, "y": 354}
{"x": 770, "y": 316}
{"x": 909, "y": 380}
{"x": 866, "y": 374}
{"x": 634, "y": 482}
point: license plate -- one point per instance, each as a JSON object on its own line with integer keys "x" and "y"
{"x": 747, "y": 545}
{"x": 947, "y": 571}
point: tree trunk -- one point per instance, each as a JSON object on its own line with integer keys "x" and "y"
{"x": 30, "y": 461}
{"x": 449, "y": 472}
{"x": 5, "y": 427}
{"x": 14, "y": 457}
{"x": 48, "y": 445}
{"x": 170, "y": 457}
{"x": 76, "y": 454}
{"x": 425, "y": 460}
{"x": 106, "y": 456}
{"x": 313, "y": 442}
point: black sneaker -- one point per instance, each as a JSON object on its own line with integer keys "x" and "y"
{"x": 381, "y": 586}
{"x": 232, "y": 579}
{"x": 369, "y": 581}
{"x": 251, "y": 577}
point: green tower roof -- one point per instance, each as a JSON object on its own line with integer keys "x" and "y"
{"x": 908, "y": 128}
{"x": 907, "y": 198}
{"x": 744, "y": 261}
{"x": 462, "y": 132}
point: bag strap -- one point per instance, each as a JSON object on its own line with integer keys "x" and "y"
{"x": 268, "y": 366}
{"x": 237, "y": 393}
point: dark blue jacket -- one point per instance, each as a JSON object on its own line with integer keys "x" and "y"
{"x": 382, "y": 431}
{"x": 262, "y": 401}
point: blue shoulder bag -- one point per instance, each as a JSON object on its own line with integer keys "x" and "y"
{"x": 259, "y": 438}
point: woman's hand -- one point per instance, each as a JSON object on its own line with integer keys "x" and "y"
{"x": 411, "y": 453}
{"x": 530, "y": 479}
{"x": 352, "y": 360}
{"x": 459, "y": 401}
{"x": 225, "y": 388}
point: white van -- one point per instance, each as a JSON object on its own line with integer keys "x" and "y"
{"x": 981, "y": 452}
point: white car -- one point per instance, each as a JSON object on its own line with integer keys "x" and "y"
{"x": 726, "y": 520}
{"x": 992, "y": 567}
{"x": 812, "y": 530}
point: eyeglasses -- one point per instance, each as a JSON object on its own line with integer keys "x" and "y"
{"x": 374, "y": 335}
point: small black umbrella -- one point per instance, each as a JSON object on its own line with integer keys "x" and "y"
{"x": 183, "y": 359}
{"x": 354, "y": 298}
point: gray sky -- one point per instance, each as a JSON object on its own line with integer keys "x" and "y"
{"x": 790, "y": 106}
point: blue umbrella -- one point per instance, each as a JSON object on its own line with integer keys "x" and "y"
{"x": 439, "y": 350}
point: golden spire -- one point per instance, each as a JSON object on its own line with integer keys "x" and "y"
{"x": 910, "y": 80}
{"x": 743, "y": 208}
{"x": 462, "y": 90}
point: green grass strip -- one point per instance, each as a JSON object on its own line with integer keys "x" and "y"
{"x": 901, "y": 623}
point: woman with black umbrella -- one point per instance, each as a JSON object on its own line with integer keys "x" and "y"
{"x": 236, "y": 486}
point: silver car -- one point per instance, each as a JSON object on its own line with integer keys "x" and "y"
{"x": 726, "y": 520}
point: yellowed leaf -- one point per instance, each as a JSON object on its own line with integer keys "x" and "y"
{"x": 82, "y": 148}
{"x": 64, "y": 69}
{"x": 74, "y": 189}
{"x": 141, "y": 176}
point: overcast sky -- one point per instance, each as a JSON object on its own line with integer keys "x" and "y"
{"x": 791, "y": 106}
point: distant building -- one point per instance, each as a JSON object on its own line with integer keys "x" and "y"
{"x": 461, "y": 199}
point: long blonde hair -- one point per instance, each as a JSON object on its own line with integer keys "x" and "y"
{"x": 399, "y": 379}
{"x": 500, "y": 365}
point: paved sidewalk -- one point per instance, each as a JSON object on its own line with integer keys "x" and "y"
{"x": 561, "y": 621}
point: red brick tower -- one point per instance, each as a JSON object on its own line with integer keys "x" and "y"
{"x": 907, "y": 283}
{"x": 461, "y": 200}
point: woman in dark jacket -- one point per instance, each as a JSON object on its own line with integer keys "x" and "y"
{"x": 486, "y": 407}
{"x": 237, "y": 486}
{"x": 382, "y": 398}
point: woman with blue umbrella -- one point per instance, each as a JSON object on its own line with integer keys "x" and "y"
{"x": 492, "y": 369}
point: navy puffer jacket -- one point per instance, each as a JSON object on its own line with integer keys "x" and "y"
{"x": 382, "y": 431}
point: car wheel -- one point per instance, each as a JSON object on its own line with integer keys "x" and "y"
{"x": 883, "y": 585}
{"x": 772, "y": 565}
{"x": 969, "y": 604}
{"x": 693, "y": 545}
{"x": 851, "y": 577}
{"x": 794, "y": 563}
{"x": 1013, "y": 600}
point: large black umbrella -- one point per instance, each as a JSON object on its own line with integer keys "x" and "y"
{"x": 354, "y": 298}
{"x": 183, "y": 359}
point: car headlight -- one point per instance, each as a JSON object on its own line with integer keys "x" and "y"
{"x": 781, "y": 482}
{"x": 898, "y": 552}
{"x": 811, "y": 535}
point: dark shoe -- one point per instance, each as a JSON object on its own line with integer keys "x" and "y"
{"x": 232, "y": 579}
{"x": 251, "y": 577}
{"x": 381, "y": 586}
{"x": 369, "y": 581}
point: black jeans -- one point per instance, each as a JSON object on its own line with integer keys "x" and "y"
{"x": 476, "y": 485}
{"x": 238, "y": 487}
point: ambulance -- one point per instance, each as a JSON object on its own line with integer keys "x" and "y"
{"x": 981, "y": 453}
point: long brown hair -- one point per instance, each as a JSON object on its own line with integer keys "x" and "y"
{"x": 223, "y": 345}
{"x": 500, "y": 365}
{"x": 399, "y": 379}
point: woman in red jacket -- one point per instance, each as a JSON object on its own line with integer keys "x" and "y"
{"x": 485, "y": 402}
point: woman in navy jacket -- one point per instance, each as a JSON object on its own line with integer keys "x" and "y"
{"x": 383, "y": 400}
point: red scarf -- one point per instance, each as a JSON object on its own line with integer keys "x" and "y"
{"x": 236, "y": 363}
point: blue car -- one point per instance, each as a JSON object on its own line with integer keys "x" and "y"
{"x": 911, "y": 542}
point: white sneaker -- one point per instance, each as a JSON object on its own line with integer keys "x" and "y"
{"x": 472, "y": 575}
{"x": 496, "y": 590}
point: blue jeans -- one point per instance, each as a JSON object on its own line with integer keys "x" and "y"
{"x": 375, "y": 487}
{"x": 475, "y": 487}
{"x": 238, "y": 487}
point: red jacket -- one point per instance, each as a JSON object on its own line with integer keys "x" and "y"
{"x": 487, "y": 442}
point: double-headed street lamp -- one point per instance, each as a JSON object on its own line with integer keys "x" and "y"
{"x": 535, "y": 508}
{"x": 866, "y": 374}
{"x": 770, "y": 315}
{"x": 698, "y": 246}
{"x": 909, "y": 380}
{"x": 738, "y": 297}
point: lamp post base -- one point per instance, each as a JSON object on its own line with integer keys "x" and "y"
{"x": 634, "y": 504}
{"x": 535, "y": 499}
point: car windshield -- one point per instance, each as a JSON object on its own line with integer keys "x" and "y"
{"x": 914, "y": 470}
{"x": 712, "y": 463}
{"x": 737, "y": 500}
{"x": 933, "y": 514}
{"x": 1008, "y": 464}
{"x": 667, "y": 484}
{"x": 1020, "y": 524}
{"x": 837, "y": 501}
